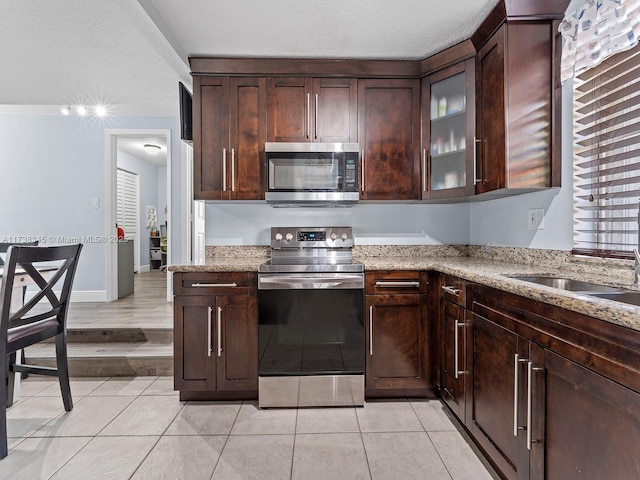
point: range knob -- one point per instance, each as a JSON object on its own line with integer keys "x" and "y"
{"x": 278, "y": 236}
{"x": 289, "y": 237}
{"x": 333, "y": 236}
{"x": 343, "y": 237}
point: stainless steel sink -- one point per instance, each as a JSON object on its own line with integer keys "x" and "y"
{"x": 570, "y": 284}
{"x": 631, "y": 297}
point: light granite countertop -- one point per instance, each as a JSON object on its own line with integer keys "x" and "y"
{"x": 487, "y": 271}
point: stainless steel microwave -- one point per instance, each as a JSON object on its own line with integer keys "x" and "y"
{"x": 312, "y": 173}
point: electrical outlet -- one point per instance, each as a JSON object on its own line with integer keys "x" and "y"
{"x": 95, "y": 202}
{"x": 535, "y": 219}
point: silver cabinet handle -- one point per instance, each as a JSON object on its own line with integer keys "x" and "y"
{"x": 224, "y": 169}
{"x": 209, "y": 331}
{"x": 515, "y": 395}
{"x": 315, "y": 127}
{"x": 308, "y": 115}
{"x": 476, "y": 141}
{"x": 424, "y": 169}
{"x": 516, "y": 362}
{"x": 233, "y": 169}
{"x": 209, "y": 285}
{"x": 530, "y": 371}
{"x": 456, "y": 362}
{"x": 451, "y": 290}
{"x": 219, "y": 331}
{"x": 384, "y": 284}
{"x": 370, "y": 330}
{"x": 362, "y": 176}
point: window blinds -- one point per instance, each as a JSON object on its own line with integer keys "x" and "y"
{"x": 607, "y": 157}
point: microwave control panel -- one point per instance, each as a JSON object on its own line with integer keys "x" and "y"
{"x": 350, "y": 179}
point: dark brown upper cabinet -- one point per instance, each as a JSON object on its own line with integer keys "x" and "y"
{"x": 517, "y": 103}
{"x": 448, "y": 127}
{"x": 389, "y": 138}
{"x": 312, "y": 109}
{"x": 229, "y": 131}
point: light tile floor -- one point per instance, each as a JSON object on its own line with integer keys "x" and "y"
{"x": 136, "y": 428}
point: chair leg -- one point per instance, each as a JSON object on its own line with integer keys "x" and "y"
{"x": 23, "y": 361}
{"x": 4, "y": 450}
{"x": 11, "y": 378}
{"x": 63, "y": 371}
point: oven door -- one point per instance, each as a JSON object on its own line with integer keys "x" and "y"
{"x": 312, "y": 339}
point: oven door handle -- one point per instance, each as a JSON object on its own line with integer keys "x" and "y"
{"x": 300, "y": 281}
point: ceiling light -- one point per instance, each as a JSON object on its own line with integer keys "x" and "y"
{"x": 81, "y": 110}
{"x": 66, "y": 110}
{"x": 100, "y": 110}
{"x": 151, "y": 148}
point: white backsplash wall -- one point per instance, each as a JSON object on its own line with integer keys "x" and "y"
{"x": 249, "y": 223}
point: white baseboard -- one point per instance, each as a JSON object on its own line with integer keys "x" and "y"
{"x": 144, "y": 268}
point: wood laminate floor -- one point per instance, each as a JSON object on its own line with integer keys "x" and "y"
{"x": 146, "y": 308}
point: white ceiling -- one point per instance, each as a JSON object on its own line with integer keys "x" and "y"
{"x": 134, "y": 145}
{"x": 130, "y": 54}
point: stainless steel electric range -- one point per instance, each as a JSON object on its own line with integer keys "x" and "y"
{"x": 311, "y": 328}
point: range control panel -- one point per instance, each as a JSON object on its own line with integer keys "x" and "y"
{"x": 311, "y": 237}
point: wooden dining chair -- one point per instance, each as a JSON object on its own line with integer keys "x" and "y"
{"x": 42, "y": 316}
{"x": 4, "y": 246}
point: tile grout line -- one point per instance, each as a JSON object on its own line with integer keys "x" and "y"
{"x": 226, "y": 440}
{"x": 293, "y": 450}
{"x": 163, "y": 432}
{"x": 364, "y": 447}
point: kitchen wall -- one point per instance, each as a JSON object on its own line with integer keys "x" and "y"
{"x": 52, "y": 167}
{"x": 153, "y": 191}
{"x": 248, "y": 224}
{"x": 503, "y": 222}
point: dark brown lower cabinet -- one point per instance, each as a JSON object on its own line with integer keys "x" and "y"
{"x": 215, "y": 340}
{"x": 453, "y": 331}
{"x": 541, "y": 407}
{"x": 497, "y": 408}
{"x": 584, "y": 425}
{"x": 396, "y": 334}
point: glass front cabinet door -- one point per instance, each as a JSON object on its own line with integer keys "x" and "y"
{"x": 448, "y": 125}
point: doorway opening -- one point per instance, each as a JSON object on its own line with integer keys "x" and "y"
{"x": 125, "y": 149}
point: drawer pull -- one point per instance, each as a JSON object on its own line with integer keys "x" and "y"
{"x": 210, "y": 285}
{"x": 384, "y": 284}
{"x": 451, "y": 290}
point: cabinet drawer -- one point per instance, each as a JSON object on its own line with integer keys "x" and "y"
{"x": 453, "y": 289}
{"x": 391, "y": 282}
{"x": 214, "y": 283}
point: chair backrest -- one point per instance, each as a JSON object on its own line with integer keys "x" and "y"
{"x": 58, "y": 264}
{"x": 4, "y": 246}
